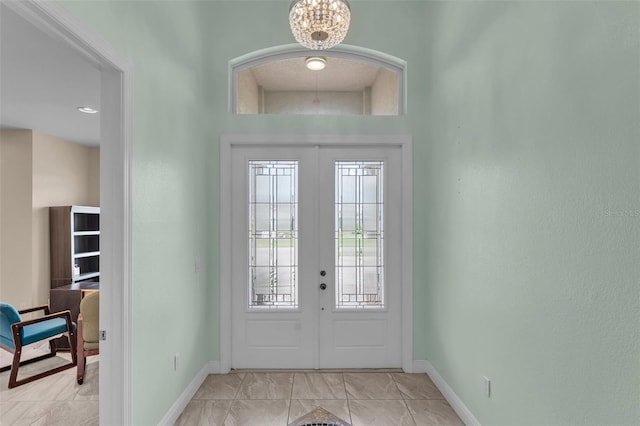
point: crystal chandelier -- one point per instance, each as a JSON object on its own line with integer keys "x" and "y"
{"x": 319, "y": 24}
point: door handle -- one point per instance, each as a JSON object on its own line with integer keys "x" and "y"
{"x": 323, "y": 286}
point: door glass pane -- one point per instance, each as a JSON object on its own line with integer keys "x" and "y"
{"x": 359, "y": 234}
{"x": 273, "y": 234}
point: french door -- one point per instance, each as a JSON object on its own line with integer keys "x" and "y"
{"x": 316, "y": 256}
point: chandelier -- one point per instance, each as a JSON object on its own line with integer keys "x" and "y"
{"x": 319, "y": 24}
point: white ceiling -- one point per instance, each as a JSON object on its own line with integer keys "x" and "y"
{"x": 43, "y": 81}
{"x": 340, "y": 75}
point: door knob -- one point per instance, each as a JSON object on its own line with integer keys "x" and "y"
{"x": 323, "y": 286}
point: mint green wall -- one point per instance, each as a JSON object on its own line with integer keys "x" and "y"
{"x": 524, "y": 118}
{"x": 533, "y": 209}
{"x": 172, "y": 306}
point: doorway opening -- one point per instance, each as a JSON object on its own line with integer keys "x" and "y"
{"x": 116, "y": 136}
{"x": 305, "y": 279}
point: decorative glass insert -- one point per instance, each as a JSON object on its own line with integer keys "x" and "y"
{"x": 359, "y": 234}
{"x": 273, "y": 234}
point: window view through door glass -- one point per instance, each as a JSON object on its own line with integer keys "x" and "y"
{"x": 359, "y": 234}
{"x": 273, "y": 234}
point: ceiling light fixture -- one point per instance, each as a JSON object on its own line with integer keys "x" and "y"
{"x": 87, "y": 110}
{"x": 319, "y": 24}
{"x": 315, "y": 63}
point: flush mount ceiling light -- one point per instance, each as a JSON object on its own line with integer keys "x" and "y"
{"x": 319, "y": 24}
{"x": 315, "y": 63}
{"x": 87, "y": 110}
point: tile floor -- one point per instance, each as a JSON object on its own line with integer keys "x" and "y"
{"x": 242, "y": 398}
{"x": 53, "y": 400}
{"x": 279, "y": 398}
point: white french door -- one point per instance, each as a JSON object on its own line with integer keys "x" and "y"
{"x": 316, "y": 257}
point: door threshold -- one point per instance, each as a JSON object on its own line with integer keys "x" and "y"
{"x": 318, "y": 370}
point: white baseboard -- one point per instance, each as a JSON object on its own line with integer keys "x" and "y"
{"x": 214, "y": 367}
{"x": 424, "y": 366}
{"x": 420, "y": 366}
{"x": 176, "y": 409}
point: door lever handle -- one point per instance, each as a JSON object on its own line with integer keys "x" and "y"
{"x": 323, "y": 286}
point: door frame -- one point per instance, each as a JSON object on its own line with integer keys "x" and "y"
{"x": 116, "y": 142}
{"x": 227, "y": 142}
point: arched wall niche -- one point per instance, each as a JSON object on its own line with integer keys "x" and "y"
{"x": 356, "y": 81}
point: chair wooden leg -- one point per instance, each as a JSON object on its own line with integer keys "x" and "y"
{"x": 52, "y": 346}
{"x": 41, "y": 375}
{"x": 82, "y": 364}
{"x": 72, "y": 345}
{"x": 81, "y": 361}
{"x": 13, "y": 377}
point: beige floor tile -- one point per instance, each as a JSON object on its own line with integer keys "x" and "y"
{"x": 258, "y": 413}
{"x": 220, "y": 386}
{"x": 23, "y": 413}
{"x": 337, "y": 407}
{"x": 204, "y": 412}
{"x": 35, "y": 368}
{"x": 260, "y": 399}
{"x": 21, "y": 393}
{"x": 89, "y": 389}
{"x": 416, "y": 386}
{"x": 371, "y": 386}
{"x": 380, "y": 413}
{"x": 266, "y": 386}
{"x": 433, "y": 412}
{"x": 50, "y": 413}
{"x": 63, "y": 387}
{"x": 318, "y": 386}
{"x": 45, "y": 388}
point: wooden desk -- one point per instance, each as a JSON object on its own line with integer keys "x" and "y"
{"x": 68, "y": 297}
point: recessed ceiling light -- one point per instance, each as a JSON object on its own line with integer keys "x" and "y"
{"x": 315, "y": 63}
{"x": 87, "y": 110}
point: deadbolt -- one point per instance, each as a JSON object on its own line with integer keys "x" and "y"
{"x": 323, "y": 273}
{"x": 323, "y": 286}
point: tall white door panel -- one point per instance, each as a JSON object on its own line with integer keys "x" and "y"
{"x": 315, "y": 250}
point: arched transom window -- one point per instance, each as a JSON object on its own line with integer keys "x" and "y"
{"x": 287, "y": 80}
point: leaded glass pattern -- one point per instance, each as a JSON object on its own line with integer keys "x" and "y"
{"x": 273, "y": 234}
{"x": 359, "y": 234}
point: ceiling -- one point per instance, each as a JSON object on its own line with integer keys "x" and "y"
{"x": 43, "y": 81}
{"x": 340, "y": 75}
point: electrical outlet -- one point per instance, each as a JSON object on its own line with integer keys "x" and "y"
{"x": 486, "y": 386}
{"x": 176, "y": 361}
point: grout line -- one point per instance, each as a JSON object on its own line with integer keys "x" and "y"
{"x": 402, "y": 395}
{"x": 346, "y": 395}
{"x": 409, "y": 411}
{"x": 293, "y": 381}
{"x": 226, "y": 414}
{"x": 235, "y": 398}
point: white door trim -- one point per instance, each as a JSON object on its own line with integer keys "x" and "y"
{"x": 229, "y": 141}
{"x": 116, "y": 136}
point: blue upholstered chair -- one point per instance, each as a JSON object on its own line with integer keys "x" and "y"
{"x": 15, "y": 334}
